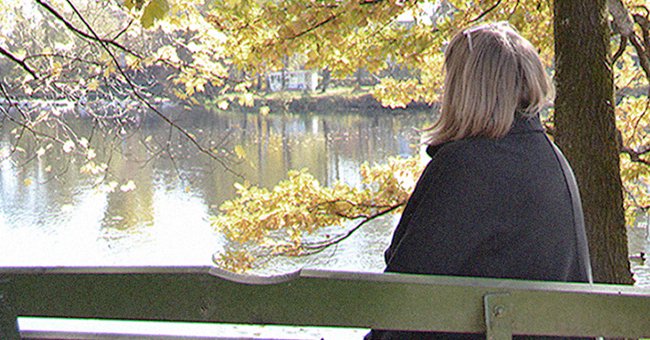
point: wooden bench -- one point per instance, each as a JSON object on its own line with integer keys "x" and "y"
{"x": 496, "y": 307}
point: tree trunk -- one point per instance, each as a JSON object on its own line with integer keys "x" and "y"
{"x": 586, "y": 130}
{"x": 327, "y": 75}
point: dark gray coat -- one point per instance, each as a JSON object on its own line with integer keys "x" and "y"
{"x": 491, "y": 208}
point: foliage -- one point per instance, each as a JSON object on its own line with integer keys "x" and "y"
{"x": 534, "y": 20}
{"x": 152, "y": 11}
{"x": 137, "y": 53}
{"x": 632, "y": 119}
{"x": 271, "y": 222}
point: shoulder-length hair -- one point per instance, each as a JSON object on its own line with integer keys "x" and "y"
{"x": 491, "y": 73}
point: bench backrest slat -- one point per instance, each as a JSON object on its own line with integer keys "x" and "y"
{"x": 324, "y": 298}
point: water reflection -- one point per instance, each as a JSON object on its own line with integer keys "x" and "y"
{"x": 639, "y": 242}
{"x": 164, "y": 190}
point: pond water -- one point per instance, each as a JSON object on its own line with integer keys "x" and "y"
{"x": 165, "y": 190}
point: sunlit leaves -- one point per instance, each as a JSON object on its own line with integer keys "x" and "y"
{"x": 68, "y": 146}
{"x": 131, "y": 4}
{"x": 224, "y": 45}
{"x": 93, "y": 85}
{"x": 398, "y": 94}
{"x": 92, "y": 168}
{"x": 264, "y": 34}
{"x": 246, "y": 99}
{"x": 633, "y": 123}
{"x": 154, "y": 10}
{"x": 237, "y": 261}
{"x": 633, "y": 120}
{"x": 223, "y": 105}
{"x": 240, "y": 152}
{"x": 275, "y": 220}
{"x": 56, "y": 69}
{"x": 128, "y": 186}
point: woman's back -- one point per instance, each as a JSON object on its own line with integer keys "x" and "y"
{"x": 491, "y": 208}
{"x": 496, "y": 200}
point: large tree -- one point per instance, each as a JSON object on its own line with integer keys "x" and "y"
{"x": 192, "y": 46}
{"x": 586, "y": 129}
{"x": 585, "y": 122}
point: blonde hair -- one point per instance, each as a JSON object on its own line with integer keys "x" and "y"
{"x": 491, "y": 73}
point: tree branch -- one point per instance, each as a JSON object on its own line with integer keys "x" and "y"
{"x": 622, "y": 20}
{"x": 514, "y": 9}
{"x": 104, "y": 44}
{"x": 313, "y": 247}
{"x": 635, "y": 156}
{"x": 26, "y": 125}
{"x": 21, "y": 63}
{"x": 102, "y": 41}
{"x": 624, "y": 24}
{"x": 621, "y": 49}
{"x": 486, "y": 12}
{"x": 62, "y": 56}
{"x": 312, "y": 28}
{"x": 92, "y": 37}
{"x": 123, "y": 30}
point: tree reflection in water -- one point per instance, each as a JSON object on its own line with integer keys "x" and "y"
{"x": 151, "y": 205}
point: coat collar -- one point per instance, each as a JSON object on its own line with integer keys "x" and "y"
{"x": 522, "y": 124}
{"x": 526, "y": 124}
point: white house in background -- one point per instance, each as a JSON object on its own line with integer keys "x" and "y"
{"x": 293, "y": 80}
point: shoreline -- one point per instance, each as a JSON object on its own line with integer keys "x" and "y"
{"x": 360, "y": 104}
{"x": 300, "y": 103}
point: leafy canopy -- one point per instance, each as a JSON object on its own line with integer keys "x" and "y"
{"x": 77, "y": 49}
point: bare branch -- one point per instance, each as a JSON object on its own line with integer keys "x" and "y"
{"x": 92, "y": 37}
{"x": 329, "y": 19}
{"x": 486, "y": 12}
{"x": 134, "y": 90}
{"x": 644, "y": 24}
{"x": 21, "y": 63}
{"x": 635, "y": 156}
{"x": 62, "y": 56}
{"x": 26, "y": 125}
{"x": 624, "y": 24}
{"x": 641, "y": 116}
{"x": 321, "y": 245}
{"x": 621, "y": 49}
{"x": 622, "y": 20}
{"x": 641, "y": 52}
{"x": 514, "y": 9}
{"x": 123, "y": 30}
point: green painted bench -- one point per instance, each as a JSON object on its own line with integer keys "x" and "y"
{"x": 496, "y": 307}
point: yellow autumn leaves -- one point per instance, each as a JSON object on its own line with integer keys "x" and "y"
{"x": 633, "y": 119}
{"x": 151, "y": 10}
{"x": 271, "y": 222}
